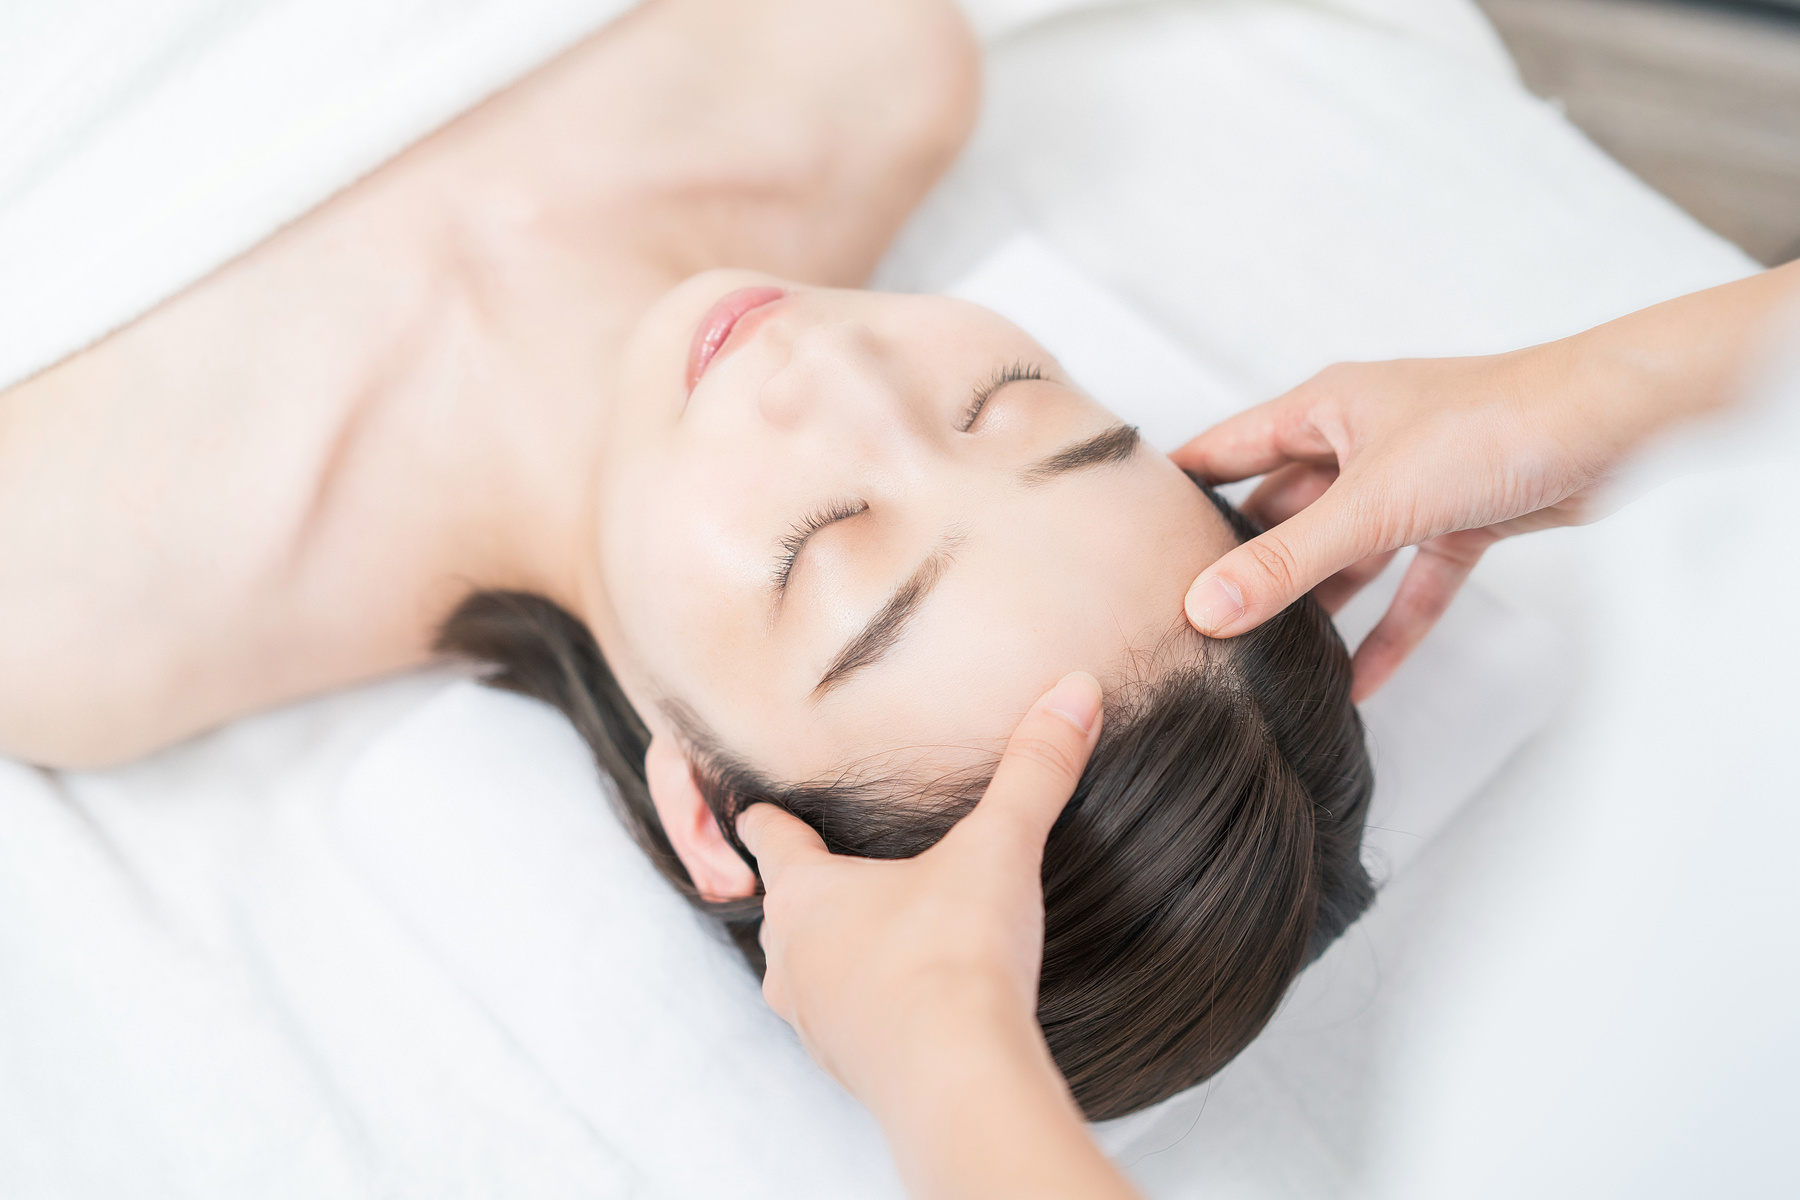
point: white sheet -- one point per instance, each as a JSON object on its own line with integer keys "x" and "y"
{"x": 200, "y": 997}
{"x": 1610, "y": 1009}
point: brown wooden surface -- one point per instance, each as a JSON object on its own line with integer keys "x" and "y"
{"x": 1702, "y": 102}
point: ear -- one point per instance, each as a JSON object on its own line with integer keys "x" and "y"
{"x": 718, "y": 871}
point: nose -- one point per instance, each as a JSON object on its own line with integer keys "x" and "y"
{"x": 839, "y": 373}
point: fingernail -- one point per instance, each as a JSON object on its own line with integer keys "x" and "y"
{"x": 1214, "y": 604}
{"x": 1076, "y": 699}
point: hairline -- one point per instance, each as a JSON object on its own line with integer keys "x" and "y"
{"x": 709, "y": 752}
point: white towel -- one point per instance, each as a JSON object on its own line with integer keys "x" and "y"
{"x": 143, "y": 144}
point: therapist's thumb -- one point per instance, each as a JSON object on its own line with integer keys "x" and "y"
{"x": 1258, "y": 579}
{"x": 778, "y": 840}
{"x": 1043, "y": 762}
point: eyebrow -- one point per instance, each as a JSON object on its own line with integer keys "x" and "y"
{"x": 1109, "y": 446}
{"x": 885, "y": 627}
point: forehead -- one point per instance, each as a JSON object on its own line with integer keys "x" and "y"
{"x": 1088, "y": 573}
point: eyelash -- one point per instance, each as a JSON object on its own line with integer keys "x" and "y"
{"x": 1017, "y": 373}
{"x": 838, "y": 510}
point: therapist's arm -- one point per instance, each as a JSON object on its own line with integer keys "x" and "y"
{"x": 1452, "y": 455}
{"x": 914, "y": 981}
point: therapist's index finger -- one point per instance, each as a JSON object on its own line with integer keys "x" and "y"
{"x": 1044, "y": 759}
{"x": 1255, "y": 442}
{"x": 777, "y": 839}
{"x": 1258, "y": 579}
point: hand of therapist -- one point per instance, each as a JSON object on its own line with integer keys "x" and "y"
{"x": 1452, "y": 455}
{"x": 914, "y": 981}
{"x": 1364, "y": 458}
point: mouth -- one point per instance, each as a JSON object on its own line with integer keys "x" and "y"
{"x": 720, "y": 322}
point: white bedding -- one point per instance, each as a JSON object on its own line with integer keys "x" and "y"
{"x": 203, "y": 993}
{"x": 1603, "y": 997}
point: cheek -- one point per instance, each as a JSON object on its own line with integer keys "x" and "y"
{"x": 687, "y": 564}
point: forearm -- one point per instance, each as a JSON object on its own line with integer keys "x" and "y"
{"x": 979, "y": 1110}
{"x": 1679, "y": 359}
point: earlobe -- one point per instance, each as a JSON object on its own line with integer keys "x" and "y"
{"x": 718, "y": 871}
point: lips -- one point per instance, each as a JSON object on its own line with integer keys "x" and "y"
{"x": 721, "y": 319}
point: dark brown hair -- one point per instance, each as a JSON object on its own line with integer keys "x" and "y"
{"x": 1211, "y": 850}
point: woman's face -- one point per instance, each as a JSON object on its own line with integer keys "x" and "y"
{"x": 878, "y": 522}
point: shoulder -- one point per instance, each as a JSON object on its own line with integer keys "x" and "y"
{"x": 155, "y": 493}
{"x": 792, "y": 136}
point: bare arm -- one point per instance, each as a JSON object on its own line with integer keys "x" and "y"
{"x": 154, "y": 491}
{"x": 1452, "y": 455}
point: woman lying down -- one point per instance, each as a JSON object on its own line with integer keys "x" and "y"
{"x": 575, "y": 387}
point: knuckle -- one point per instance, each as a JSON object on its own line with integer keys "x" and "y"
{"x": 1051, "y": 754}
{"x": 1334, "y": 376}
{"x": 1339, "y": 382}
{"x": 1277, "y": 564}
{"x": 775, "y": 908}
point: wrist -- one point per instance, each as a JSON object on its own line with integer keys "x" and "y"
{"x": 1677, "y": 360}
{"x": 947, "y": 1026}
{"x": 1629, "y": 389}
{"x": 980, "y": 1110}
{"x": 1586, "y": 401}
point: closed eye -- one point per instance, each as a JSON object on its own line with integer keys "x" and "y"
{"x": 1017, "y": 373}
{"x": 795, "y": 540}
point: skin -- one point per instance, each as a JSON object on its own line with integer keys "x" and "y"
{"x": 1451, "y": 455}
{"x": 860, "y": 400}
